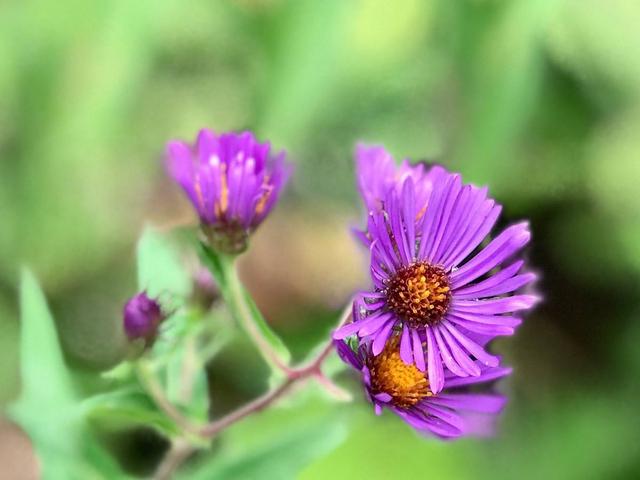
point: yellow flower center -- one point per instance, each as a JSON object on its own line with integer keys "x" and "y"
{"x": 389, "y": 374}
{"x": 419, "y": 294}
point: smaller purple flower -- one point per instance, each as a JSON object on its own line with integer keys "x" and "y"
{"x": 142, "y": 317}
{"x": 232, "y": 180}
{"x": 402, "y": 388}
{"x": 377, "y": 173}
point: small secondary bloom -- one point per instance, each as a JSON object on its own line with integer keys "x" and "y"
{"x": 142, "y": 316}
{"x": 232, "y": 180}
{"x": 377, "y": 173}
{"x": 391, "y": 383}
{"x": 430, "y": 284}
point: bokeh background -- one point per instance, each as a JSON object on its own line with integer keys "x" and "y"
{"x": 538, "y": 99}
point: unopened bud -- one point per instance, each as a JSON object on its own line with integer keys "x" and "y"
{"x": 142, "y": 316}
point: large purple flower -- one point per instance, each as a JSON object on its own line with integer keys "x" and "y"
{"x": 430, "y": 284}
{"x": 405, "y": 390}
{"x": 232, "y": 180}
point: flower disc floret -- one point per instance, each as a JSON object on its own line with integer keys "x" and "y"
{"x": 419, "y": 294}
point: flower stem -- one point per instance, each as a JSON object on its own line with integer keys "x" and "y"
{"x": 181, "y": 449}
{"x": 153, "y": 387}
{"x": 238, "y": 302}
{"x": 294, "y": 376}
{"x": 260, "y": 403}
{"x": 223, "y": 268}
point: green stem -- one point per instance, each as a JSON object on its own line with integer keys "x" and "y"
{"x": 245, "y": 311}
{"x": 152, "y": 386}
{"x": 183, "y": 449}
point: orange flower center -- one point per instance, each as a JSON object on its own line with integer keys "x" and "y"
{"x": 389, "y": 374}
{"x": 419, "y": 294}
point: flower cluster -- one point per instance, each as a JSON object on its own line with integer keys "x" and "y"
{"x": 439, "y": 295}
{"x": 442, "y": 285}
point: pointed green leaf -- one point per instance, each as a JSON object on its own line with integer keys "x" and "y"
{"x": 44, "y": 372}
{"x": 45, "y": 407}
{"x": 48, "y": 408}
{"x": 127, "y": 407}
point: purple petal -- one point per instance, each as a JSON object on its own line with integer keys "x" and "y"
{"x": 383, "y": 397}
{"x": 478, "y": 220}
{"x": 460, "y": 355}
{"x": 347, "y": 330}
{"x": 381, "y": 338}
{"x": 486, "y": 375}
{"x": 495, "y": 306}
{"x": 347, "y": 355}
{"x": 501, "y": 248}
{"x": 482, "y": 329}
{"x": 442, "y": 224}
{"x": 472, "y": 347}
{"x": 434, "y": 364}
{"x": 460, "y": 211}
{"x": 418, "y": 352}
{"x": 449, "y": 362}
{"x": 473, "y": 402}
{"x": 498, "y": 284}
{"x": 374, "y": 323}
{"x": 503, "y": 320}
{"x": 406, "y": 352}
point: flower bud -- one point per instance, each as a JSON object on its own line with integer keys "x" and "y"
{"x": 142, "y": 316}
{"x": 205, "y": 291}
{"x": 233, "y": 182}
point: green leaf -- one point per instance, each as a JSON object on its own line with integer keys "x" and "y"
{"x": 277, "y": 443}
{"x": 43, "y": 368}
{"x": 186, "y": 381}
{"x": 242, "y": 306}
{"x": 52, "y": 424}
{"x": 47, "y": 408}
{"x": 180, "y": 355}
{"x": 160, "y": 266}
{"x": 125, "y": 408}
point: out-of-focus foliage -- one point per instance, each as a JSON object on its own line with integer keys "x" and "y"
{"x": 278, "y": 444}
{"x": 538, "y": 99}
{"x": 49, "y": 408}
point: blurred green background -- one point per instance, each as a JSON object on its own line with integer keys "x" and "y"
{"x": 538, "y": 99}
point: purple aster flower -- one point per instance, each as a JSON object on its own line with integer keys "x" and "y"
{"x": 142, "y": 316}
{"x": 404, "y": 389}
{"x": 377, "y": 173}
{"x": 434, "y": 285}
{"x": 232, "y": 180}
